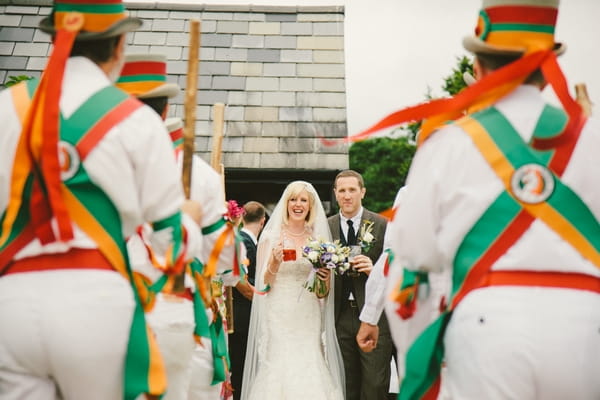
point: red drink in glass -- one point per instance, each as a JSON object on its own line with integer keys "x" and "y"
{"x": 289, "y": 254}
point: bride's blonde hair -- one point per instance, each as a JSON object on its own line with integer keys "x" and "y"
{"x": 294, "y": 189}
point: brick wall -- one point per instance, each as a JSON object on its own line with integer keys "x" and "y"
{"x": 279, "y": 70}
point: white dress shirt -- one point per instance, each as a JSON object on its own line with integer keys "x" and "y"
{"x": 133, "y": 164}
{"x": 355, "y": 222}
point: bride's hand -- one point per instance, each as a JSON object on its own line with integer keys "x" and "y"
{"x": 277, "y": 254}
{"x": 323, "y": 274}
{"x": 274, "y": 263}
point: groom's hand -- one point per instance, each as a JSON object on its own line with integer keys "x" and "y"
{"x": 362, "y": 263}
{"x": 245, "y": 288}
{"x": 367, "y": 337}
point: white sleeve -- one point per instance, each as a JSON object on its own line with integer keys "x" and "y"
{"x": 159, "y": 180}
{"x": 374, "y": 292}
{"x": 375, "y": 287}
{"x": 207, "y": 188}
{"x": 135, "y": 165}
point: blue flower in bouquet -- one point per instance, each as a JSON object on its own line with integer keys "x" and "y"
{"x": 323, "y": 254}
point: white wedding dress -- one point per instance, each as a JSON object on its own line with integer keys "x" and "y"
{"x": 294, "y": 366}
{"x": 292, "y": 351}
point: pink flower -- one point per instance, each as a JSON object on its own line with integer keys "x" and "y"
{"x": 234, "y": 210}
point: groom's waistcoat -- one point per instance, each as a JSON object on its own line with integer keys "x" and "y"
{"x": 374, "y": 253}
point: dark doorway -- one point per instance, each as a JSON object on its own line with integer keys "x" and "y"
{"x": 267, "y": 185}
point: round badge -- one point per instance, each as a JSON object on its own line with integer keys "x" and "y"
{"x": 68, "y": 158}
{"x": 532, "y": 183}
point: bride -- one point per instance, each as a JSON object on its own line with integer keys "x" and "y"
{"x": 292, "y": 348}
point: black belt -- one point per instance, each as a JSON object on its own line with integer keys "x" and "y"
{"x": 352, "y": 303}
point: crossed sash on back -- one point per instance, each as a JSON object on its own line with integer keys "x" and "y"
{"x": 91, "y": 209}
{"x": 508, "y": 217}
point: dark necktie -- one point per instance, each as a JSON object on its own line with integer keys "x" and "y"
{"x": 351, "y": 236}
{"x": 347, "y": 284}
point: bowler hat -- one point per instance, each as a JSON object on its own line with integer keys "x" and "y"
{"x": 145, "y": 76}
{"x": 515, "y": 27}
{"x": 175, "y": 127}
{"x": 101, "y": 18}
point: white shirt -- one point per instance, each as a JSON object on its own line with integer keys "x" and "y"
{"x": 133, "y": 164}
{"x": 451, "y": 185}
{"x": 251, "y": 234}
{"x": 355, "y": 221}
{"x": 207, "y": 189}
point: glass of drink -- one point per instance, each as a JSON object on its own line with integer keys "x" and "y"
{"x": 355, "y": 250}
{"x": 289, "y": 250}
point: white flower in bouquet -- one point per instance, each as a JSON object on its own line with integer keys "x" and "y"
{"x": 313, "y": 256}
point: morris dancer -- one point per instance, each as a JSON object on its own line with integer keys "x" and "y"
{"x": 506, "y": 199}
{"x": 72, "y": 327}
{"x": 191, "y": 366}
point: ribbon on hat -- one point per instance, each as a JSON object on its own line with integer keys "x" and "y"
{"x": 37, "y": 149}
{"x": 98, "y": 14}
{"x": 517, "y": 26}
{"x": 482, "y": 94}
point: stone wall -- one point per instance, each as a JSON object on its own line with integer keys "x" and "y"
{"x": 279, "y": 70}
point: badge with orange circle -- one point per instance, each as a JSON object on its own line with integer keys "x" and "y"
{"x": 68, "y": 159}
{"x": 532, "y": 183}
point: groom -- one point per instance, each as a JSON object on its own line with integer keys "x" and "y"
{"x": 367, "y": 374}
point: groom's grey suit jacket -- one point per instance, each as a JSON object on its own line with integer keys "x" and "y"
{"x": 374, "y": 253}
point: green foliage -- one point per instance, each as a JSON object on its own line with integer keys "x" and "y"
{"x": 383, "y": 163}
{"x": 455, "y": 82}
{"x": 13, "y": 80}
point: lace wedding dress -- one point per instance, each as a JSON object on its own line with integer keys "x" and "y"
{"x": 293, "y": 366}
{"x": 292, "y": 351}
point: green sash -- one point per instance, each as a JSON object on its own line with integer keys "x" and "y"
{"x": 501, "y": 225}
{"x": 96, "y": 215}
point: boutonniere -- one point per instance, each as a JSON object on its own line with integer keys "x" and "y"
{"x": 365, "y": 235}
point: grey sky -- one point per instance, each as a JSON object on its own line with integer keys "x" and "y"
{"x": 396, "y": 49}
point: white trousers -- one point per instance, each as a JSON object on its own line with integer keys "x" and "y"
{"x": 172, "y": 320}
{"x": 525, "y": 344}
{"x": 64, "y": 334}
{"x": 202, "y": 374}
{"x": 404, "y": 332}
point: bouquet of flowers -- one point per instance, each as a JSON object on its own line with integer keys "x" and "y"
{"x": 322, "y": 254}
{"x": 365, "y": 236}
{"x": 234, "y": 212}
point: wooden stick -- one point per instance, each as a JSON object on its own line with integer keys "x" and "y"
{"x": 189, "y": 134}
{"x": 581, "y": 95}
{"x": 217, "y": 139}
{"x": 215, "y": 162}
{"x": 190, "y": 106}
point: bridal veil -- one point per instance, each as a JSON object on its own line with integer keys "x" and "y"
{"x": 257, "y": 333}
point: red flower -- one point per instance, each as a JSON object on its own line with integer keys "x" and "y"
{"x": 234, "y": 210}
